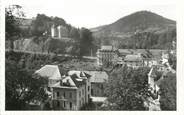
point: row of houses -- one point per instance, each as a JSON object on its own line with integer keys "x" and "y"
{"x": 74, "y": 89}
{"x": 108, "y": 55}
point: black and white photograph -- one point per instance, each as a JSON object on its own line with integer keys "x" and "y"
{"x": 90, "y": 55}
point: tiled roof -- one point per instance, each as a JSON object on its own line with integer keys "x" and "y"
{"x": 97, "y": 76}
{"x": 72, "y": 81}
{"x": 57, "y": 85}
{"x": 133, "y": 58}
{"x": 125, "y": 51}
{"x": 107, "y": 48}
{"x": 80, "y": 74}
{"x": 78, "y": 81}
{"x": 98, "y": 99}
{"x": 49, "y": 71}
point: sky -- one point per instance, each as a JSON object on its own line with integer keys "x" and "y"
{"x": 93, "y": 13}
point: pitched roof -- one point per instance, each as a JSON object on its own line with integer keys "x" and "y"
{"x": 133, "y": 57}
{"x": 98, "y": 99}
{"x": 49, "y": 71}
{"x": 72, "y": 81}
{"x": 98, "y": 76}
{"x": 78, "y": 81}
{"x": 124, "y": 51}
{"x": 57, "y": 85}
{"x": 106, "y": 47}
{"x": 80, "y": 74}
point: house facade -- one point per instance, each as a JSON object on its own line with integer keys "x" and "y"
{"x": 105, "y": 55}
{"x": 71, "y": 93}
{"x": 98, "y": 79}
{"x": 134, "y": 60}
{"x": 68, "y": 92}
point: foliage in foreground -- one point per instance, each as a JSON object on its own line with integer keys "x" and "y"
{"x": 168, "y": 92}
{"x": 21, "y": 86}
{"x": 127, "y": 89}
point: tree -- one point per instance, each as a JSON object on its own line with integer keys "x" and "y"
{"x": 41, "y": 24}
{"x": 168, "y": 92}
{"x": 127, "y": 89}
{"x": 86, "y": 41}
{"x": 21, "y": 87}
{"x": 12, "y": 15}
{"x": 172, "y": 60}
{"x": 74, "y": 33}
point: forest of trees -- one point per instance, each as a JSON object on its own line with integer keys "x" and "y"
{"x": 127, "y": 89}
{"x": 168, "y": 93}
{"x": 142, "y": 40}
{"x": 21, "y": 85}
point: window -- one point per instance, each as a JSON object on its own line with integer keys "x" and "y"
{"x": 80, "y": 103}
{"x": 58, "y": 104}
{"x": 79, "y": 93}
{"x": 70, "y": 105}
{"x": 91, "y": 91}
{"x": 64, "y": 103}
{"x": 64, "y": 94}
{"x": 82, "y": 91}
{"x": 70, "y": 94}
{"x": 88, "y": 97}
{"x": 101, "y": 86}
{"x": 57, "y": 94}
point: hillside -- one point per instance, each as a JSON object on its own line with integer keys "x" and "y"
{"x": 43, "y": 44}
{"x": 140, "y": 30}
{"x": 139, "y": 21}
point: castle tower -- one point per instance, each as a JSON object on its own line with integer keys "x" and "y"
{"x": 59, "y": 31}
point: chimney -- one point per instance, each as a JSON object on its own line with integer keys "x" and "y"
{"x": 61, "y": 82}
{"x": 67, "y": 82}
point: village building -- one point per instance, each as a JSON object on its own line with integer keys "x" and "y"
{"x": 69, "y": 91}
{"x": 123, "y": 52}
{"x": 165, "y": 57}
{"x": 105, "y": 55}
{"x": 51, "y": 72}
{"x": 98, "y": 79}
{"x": 134, "y": 60}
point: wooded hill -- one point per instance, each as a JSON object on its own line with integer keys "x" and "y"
{"x": 142, "y": 29}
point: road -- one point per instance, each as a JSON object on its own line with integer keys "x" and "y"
{"x": 46, "y": 53}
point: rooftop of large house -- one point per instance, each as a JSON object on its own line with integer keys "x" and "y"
{"x": 151, "y": 53}
{"x": 133, "y": 58}
{"x": 72, "y": 81}
{"x": 125, "y": 51}
{"x": 107, "y": 48}
{"x": 49, "y": 71}
{"x": 98, "y": 76}
{"x": 79, "y": 74}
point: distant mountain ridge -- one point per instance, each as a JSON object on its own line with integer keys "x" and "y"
{"x": 138, "y": 21}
